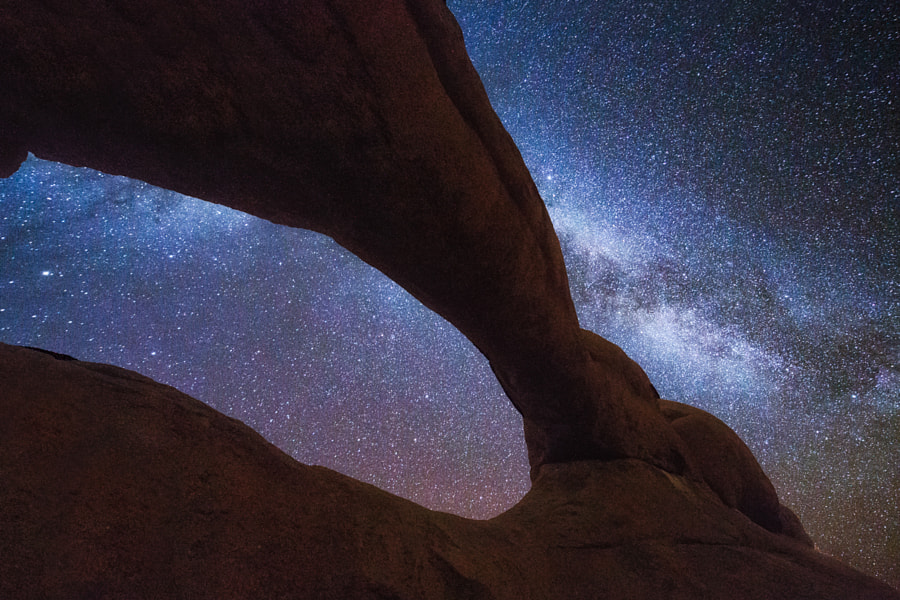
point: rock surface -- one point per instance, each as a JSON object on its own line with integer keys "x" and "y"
{"x": 729, "y": 468}
{"x": 115, "y": 486}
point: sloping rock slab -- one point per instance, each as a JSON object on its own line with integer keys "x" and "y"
{"x": 115, "y": 486}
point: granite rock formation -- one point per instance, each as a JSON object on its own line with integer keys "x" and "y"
{"x": 115, "y": 486}
{"x": 366, "y": 122}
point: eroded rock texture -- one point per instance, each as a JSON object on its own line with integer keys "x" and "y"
{"x": 115, "y": 486}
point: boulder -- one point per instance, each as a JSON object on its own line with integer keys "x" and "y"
{"x": 729, "y": 468}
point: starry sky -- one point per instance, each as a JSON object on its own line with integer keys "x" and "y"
{"x": 725, "y": 182}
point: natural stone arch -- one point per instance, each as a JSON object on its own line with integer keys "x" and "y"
{"x": 367, "y": 123}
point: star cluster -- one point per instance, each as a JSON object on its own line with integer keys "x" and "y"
{"x": 725, "y": 182}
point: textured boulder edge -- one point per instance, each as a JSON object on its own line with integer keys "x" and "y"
{"x": 118, "y": 486}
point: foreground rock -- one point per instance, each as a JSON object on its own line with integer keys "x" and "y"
{"x": 115, "y": 486}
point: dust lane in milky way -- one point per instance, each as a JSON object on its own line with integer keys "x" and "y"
{"x": 724, "y": 181}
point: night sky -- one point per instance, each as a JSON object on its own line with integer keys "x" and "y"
{"x": 725, "y": 182}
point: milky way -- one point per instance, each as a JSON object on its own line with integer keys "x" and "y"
{"x": 725, "y": 182}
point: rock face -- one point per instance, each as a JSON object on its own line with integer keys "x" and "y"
{"x": 115, "y": 486}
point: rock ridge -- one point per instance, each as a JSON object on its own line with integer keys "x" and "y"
{"x": 133, "y": 489}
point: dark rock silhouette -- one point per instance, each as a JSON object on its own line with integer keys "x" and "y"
{"x": 115, "y": 486}
{"x": 729, "y": 468}
{"x": 367, "y": 122}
